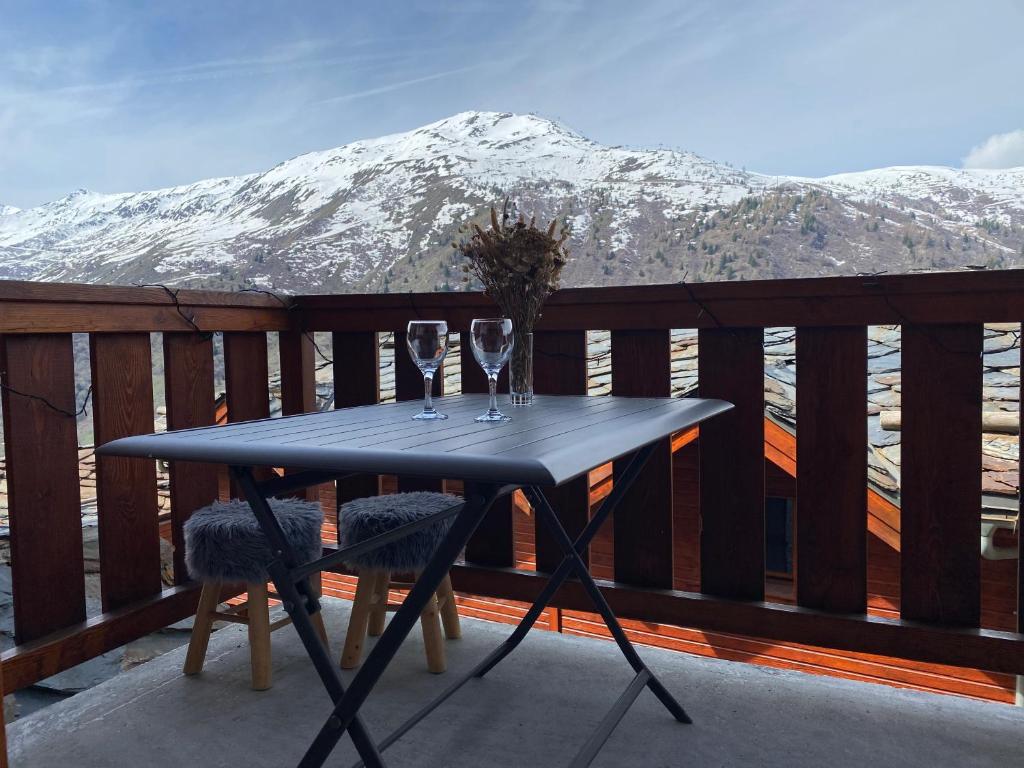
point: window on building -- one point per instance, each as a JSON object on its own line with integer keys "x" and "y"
{"x": 778, "y": 536}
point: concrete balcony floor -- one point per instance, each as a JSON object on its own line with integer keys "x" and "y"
{"x": 534, "y": 709}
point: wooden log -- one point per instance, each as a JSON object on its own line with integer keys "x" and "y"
{"x": 356, "y": 382}
{"x": 731, "y": 367}
{"x": 560, "y": 368}
{"x": 129, "y": 531}
{"x": 941, "y": 474}
{"x": 643, "y": 539}
{"x": 994, "y": 422}
{"x": 188, "y": 385}
{"x": 831, "y": 479}
{"x": 42, "y": 484}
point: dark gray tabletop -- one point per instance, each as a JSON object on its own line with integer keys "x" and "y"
{"x": 552, "y": 441}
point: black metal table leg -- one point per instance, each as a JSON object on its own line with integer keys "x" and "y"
{"x": 571, "y": 562}
{"x": 478, "y": 501}
{"x": 300, "y": 604}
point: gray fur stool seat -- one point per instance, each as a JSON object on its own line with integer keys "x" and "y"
{"x": 224, "y": 543}
{"x": 365, "y": 518}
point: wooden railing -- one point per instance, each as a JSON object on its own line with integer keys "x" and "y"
{"x": 941, "y": 315}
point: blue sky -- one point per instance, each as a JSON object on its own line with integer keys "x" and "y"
{"x": 119, "y": 96}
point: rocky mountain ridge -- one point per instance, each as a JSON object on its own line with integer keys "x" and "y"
{"x": 380, "y": 215}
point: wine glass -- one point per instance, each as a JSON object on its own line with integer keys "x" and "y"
{"x": 492, "y": 341}
{"x": 428, "y": 344}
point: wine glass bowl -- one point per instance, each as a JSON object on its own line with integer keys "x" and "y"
{"x": 427, "y": 341}
{"x": 491, "y": 340}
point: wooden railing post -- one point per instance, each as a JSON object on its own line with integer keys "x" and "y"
{"x": 246, "y": 380}
{"x": 493, "y": 543}
{"x": 940, "y": 568}
{"x": 356, "y": 382}
{"x": 409, "y": 386}
{"x": 42, "y": 483}
{"x": 831, "y": 477}
{"x": 129, "y": 531}
{"x": 298, "y": 384}
{"x": 560, "y": 368}
{"x": 643, "y": 540}
{"x": 731, "y": 367}
{"x": 188, "y": 390}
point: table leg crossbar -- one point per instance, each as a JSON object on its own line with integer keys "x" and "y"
{"x": 291, "y": 580}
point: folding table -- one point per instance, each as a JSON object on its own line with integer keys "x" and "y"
{"x": 547, "y": 444}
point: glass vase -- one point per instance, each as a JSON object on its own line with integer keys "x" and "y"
{"x": 521, "y": 370}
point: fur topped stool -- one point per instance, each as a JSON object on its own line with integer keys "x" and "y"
{"x": 364, "y": 518}
{"x": 224, "y": 544}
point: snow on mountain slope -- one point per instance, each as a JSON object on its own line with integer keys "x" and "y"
{"x": 379, "y": 214}
{"x": 7, "y": 209}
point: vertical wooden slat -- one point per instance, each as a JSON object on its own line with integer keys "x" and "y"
{"x": 246, "y": 382}
{"x": 188, "y": 385}
{"x": 560, "y": 368}
{"x": 493, "y": 542}
{"x": 129, "y": 531}
{"x": 298, "y": 372}
{"x": 941, "y": 474}
{"x": 298, "y": 386}
{"x": 44, "y": 505}
{"x": 356, "y": 382}
{"x": 831, "y": 480}
{"x": 643, "y": 541}
{"x": 409, "y": 386}
{"x": 731, "y": 367}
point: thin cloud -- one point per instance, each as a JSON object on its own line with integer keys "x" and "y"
{"x": 397, "y": 85}
{"x": 1003, "y": 150}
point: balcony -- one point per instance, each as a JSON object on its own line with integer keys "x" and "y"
{"x": 744, "y": 715}
{"x": 884, "y": 584}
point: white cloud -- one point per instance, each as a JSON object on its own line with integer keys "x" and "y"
{"x": 1002, "y": 150}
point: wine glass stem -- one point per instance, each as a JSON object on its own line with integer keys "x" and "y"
{"x": 492, "y": 389}
{"x": 428, "y": 386}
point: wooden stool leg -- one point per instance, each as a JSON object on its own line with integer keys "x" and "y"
{"x": 449, "y": 610}
{"x": 209, "y": 599}
{"x": 379, "y": 602}
{"x": 318, "y": 617}
{"x": 355, "y": 637}
{"x": 433, "y": 643}
{"x": 258, "y": 613}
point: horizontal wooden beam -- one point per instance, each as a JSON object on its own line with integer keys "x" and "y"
{"x": 79, "y": 293}
{"x": 942, "y": 297}
{"x": 27, "y": 664}
{"x": 86, "y": 317}
{"x": 974, "y": 648}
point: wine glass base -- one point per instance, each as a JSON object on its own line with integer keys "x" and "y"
{"x": 497, "y": 416}
{"x": 430, "y": 416}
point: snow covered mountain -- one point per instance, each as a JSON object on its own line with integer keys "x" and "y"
{"x": 380, "y": 214}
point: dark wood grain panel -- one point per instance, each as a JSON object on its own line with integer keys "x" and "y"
{"x": 941, "y": 474}
{"x": 297, "y": 354}
{"x": 129, "y": 531}
{"x": 247, "y": 383}
{"x": 188, "y": 389}
{"x": 831, "y": 406}
{"x": 493, "y": 542}
{"x": 356, "y": 382}
{"x": 560, "y": 368}
{"x": 641, "y": 367}
{"x": 43, "y": 498}
{"x": 731, "y": 367}
{"x": 409, "y": 386}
